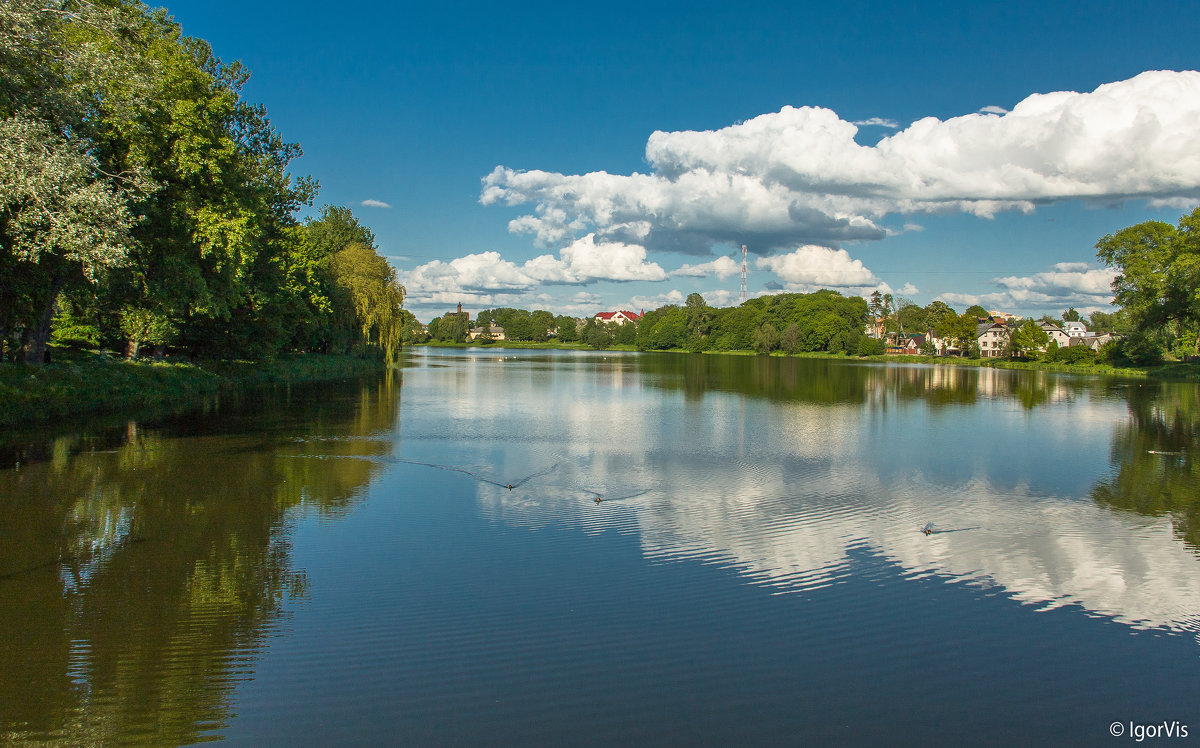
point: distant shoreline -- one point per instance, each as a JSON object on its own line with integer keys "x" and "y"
{"x": 86, "y": 386}
{"x": 1168, "y": 371}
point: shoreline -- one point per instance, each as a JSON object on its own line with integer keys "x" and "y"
{"x": 1169, "y": 371}
{"x": 86, "y": 386}
{"x": 83, "y": 387}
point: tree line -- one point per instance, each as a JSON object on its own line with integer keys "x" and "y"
{"x": 144, "y": 202}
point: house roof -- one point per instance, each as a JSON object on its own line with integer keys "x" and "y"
{"x": 634, "y": 316}
{"x": 983, "y": 327}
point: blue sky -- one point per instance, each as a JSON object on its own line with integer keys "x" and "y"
{"x": 414, "y": 106}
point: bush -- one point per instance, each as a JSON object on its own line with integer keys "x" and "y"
{"x": 1138, "y": 350}
{"x": 871, "y": 347}
{"x": 1076, "y": 354}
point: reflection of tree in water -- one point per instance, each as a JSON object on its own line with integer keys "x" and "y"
{"x": 830, "y": 381}
{"x": 1163, "y": 419}
{"x": 136, "y": 582}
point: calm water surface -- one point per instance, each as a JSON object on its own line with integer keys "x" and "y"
{"x": 694, "y": 550}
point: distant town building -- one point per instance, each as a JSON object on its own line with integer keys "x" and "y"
{"x": 992, "y": 338}
{"x": 1075, "y": 329}
{"x": 1056, "y": 334}
{"x": 620, "y": 317}
{"x": 495, "y": 331}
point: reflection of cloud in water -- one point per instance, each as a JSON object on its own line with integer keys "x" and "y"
{"x": 791, "y": 490}
{"x": 791, "y": 515}
{"x": 1044, "y": 551}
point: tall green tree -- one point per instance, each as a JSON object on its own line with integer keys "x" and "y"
{"x": 959, "y": 331}
{"x": 66, "y": 68}
{"x": 1158, "y": 281}
{"x": 1028, "y": 339}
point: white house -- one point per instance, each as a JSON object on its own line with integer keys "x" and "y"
{"x": 992, "y": 337}
{"x": 1095, "y": 340}
{"x": 620, "y": 317}
{"x": 1056, "y": 333}
{"x": 495, "y": 331}
{"x": 1075, "y": 329}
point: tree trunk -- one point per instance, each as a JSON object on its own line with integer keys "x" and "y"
{"x": 35, "y": 349}
{"x": 131, "y": 349}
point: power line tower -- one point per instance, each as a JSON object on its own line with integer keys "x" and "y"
{"x": 743, "y": 272}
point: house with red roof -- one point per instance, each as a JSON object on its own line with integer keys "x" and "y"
{"x": 620, "y": 317}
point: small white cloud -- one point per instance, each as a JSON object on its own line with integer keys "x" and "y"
{"x": 993, "y": 109}
{"x": 877, "y": 122}
{"x": 1173, "y": 203}
{"x": 722, "y": 267}
{"x": 654, "y": 302}
{"x": 374, "y": 204}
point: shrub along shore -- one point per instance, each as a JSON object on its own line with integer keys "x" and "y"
{"x": 90, "y": 385}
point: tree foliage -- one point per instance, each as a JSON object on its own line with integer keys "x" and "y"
{"x": 1158, "y": 281}
{"x": 137, "y": 184}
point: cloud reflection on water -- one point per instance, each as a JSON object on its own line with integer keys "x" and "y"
{"x": 786, "y": 491}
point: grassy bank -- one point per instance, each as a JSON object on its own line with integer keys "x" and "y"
{"x": 87, "y": 385}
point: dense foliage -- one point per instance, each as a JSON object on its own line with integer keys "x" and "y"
{"x": 821, "y": 321}
{"x": 144, "y": 202}
{"x": 1158, "y": 285}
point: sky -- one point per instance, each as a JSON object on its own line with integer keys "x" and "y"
{"x": 583, "y": 157}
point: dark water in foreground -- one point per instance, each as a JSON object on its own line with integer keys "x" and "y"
{"x": 346, "y": 565}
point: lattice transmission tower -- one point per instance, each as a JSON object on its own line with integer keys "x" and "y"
{"x": 743, "y": 272}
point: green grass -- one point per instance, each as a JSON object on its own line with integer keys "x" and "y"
{"x": 78, "y": 386}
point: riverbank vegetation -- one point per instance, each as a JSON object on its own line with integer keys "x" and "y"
{"x": 83, "y": 386}
{"x": 145, "y": 205}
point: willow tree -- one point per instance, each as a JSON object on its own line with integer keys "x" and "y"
{"x": 370, "y": 283}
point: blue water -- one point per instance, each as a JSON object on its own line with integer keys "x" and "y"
{"x": 754, "y": 571}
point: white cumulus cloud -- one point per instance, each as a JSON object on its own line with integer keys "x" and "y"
{"x": 814, "y": 266}
{"x": 369, "y": 203}
{"x": 1067, "y": 284}
{"x": 486, "y": 277}
{"x": 797, "y": 176}
{"x": 722, "y": 267}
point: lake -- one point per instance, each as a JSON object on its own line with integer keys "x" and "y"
{"x": 578, "y": 548}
